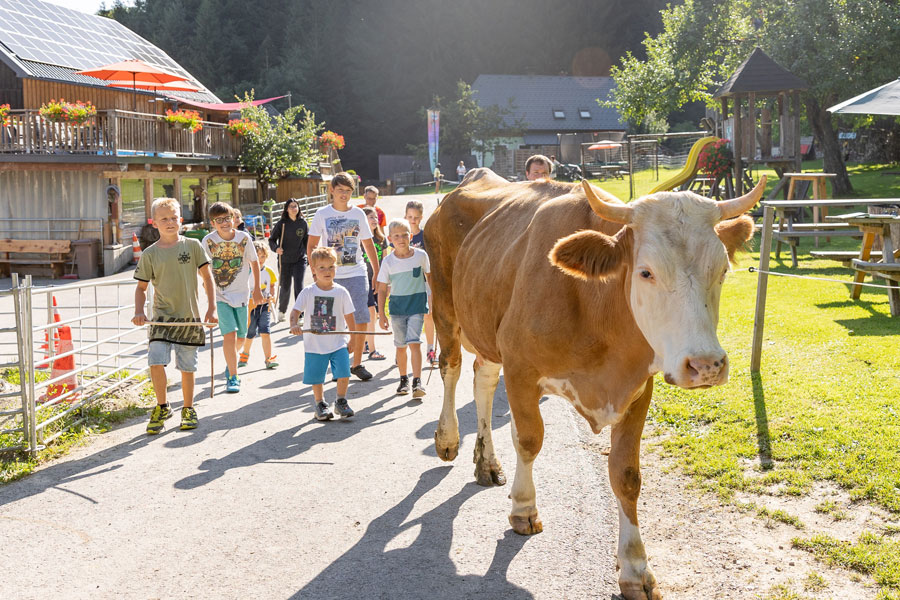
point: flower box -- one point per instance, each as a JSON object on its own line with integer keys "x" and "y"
{"x": 331, "y": 141}
{"x": 184, "y": 119}
{"x": 4, "y": 115}
{"x": 716, "y": 159}
{"x": 77, "y": 113}
{"x": 241, "y": 127}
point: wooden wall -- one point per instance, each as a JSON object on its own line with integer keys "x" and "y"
{"x": 297, "y": 188}
{"x": 37, "y": 92}
{"x": 10, "y": 87}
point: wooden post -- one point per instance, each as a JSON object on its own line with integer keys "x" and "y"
{"x": 762, "y": 282}
{"x": 738, "y": 146}
{"x": 751, "y": 112}
{"x": 177, "y": 191}
{"x": 148, "y": 196}
{"x": 798, "y": 158}
{"x": 235, "y": 191}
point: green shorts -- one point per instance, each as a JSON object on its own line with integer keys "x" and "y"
{"x": 232, "y": 318}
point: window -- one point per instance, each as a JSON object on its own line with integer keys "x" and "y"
{"x": 584, "y": 113}
{"x": 558, "y": 113}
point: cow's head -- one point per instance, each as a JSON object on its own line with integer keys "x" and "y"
{"x": 674, "y": 251}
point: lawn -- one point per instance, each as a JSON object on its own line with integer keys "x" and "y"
{"x": 825, "y": 407}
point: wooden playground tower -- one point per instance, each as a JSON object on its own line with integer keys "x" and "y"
{"x": 766, "y": 99}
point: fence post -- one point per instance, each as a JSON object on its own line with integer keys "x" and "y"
{"x": 759, "y": 318}
{"x": 20, "y": 347}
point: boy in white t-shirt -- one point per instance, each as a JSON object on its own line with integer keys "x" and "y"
{"x": 345, "y": 228}
{"x": 260, "y": 314}
{"x": 327, "y": 308}
{"x": 234, "y": 260}
{"x": 405, "y": 270}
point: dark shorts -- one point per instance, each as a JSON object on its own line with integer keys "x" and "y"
{"x": 260, "y": 320}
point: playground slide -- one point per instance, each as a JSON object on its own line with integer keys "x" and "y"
{"x": 690, "y": 168}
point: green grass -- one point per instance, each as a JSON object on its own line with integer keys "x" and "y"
{"x": 871, "y": 554}
{"x": 824, "y": 407}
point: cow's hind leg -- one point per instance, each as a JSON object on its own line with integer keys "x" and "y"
{"x": 636, "y": 580}
{"x": 527, "y": 428}
{"x": 446, "y": 438}
{"x": 487, "y": 468}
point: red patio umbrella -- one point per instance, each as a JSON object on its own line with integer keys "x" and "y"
{"x": 605, "y": 145}
{"x": 136, "y": 71}
{"x": 175, "y": 86}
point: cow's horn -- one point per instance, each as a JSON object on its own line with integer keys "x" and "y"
{"x": 613, "y": 211}
{"x": 738, "y": 206}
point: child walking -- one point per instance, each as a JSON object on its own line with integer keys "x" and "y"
{"x": 171, "y": 265}
{"x": 413, "y": 216}
{"x": 261, "y": 314}
{"x": 381, "y": 247}
{"x": 233, "y": 259}
{"x": 327, "y": 307}
{"x": 405, "y": 271}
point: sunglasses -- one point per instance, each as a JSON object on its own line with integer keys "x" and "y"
{"x": 234, "y": 263}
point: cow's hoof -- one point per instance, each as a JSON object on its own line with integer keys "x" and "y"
{"x": 490, "y": 476}
{"x": 526, "y": 525}
{"x": 641, "y": 590}
{"x": 445, "y": 451}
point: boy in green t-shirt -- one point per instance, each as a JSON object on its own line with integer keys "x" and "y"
{"x": 171, "y": 265}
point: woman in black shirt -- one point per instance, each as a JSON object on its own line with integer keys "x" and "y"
{"x": 288, "y": 241}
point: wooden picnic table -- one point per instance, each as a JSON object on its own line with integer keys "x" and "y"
{"x": 888, "y": 268}
{"x": 611, "y": 171}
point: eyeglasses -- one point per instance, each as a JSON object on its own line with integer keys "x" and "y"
{"x": 221, "y": 220}
{"x": 234, "y": 263}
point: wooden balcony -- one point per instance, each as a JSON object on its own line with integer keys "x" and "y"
{"x": 115, "y": 134}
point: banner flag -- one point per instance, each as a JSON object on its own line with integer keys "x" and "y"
{"x": 434, "y": 116}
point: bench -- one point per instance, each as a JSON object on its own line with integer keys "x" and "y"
{"x": 845, "y": 256}
{"x": 878, "y": 269}
{"x": 37, "y": 257}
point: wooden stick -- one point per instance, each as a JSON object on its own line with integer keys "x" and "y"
{"x": 212, "y": 354}
{"x": 347, "y": 332}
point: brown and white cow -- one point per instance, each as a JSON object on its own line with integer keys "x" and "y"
{"x": 573, "y": 293}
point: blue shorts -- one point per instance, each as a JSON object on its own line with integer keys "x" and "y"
{"x": 407, "y": 329}
{"x": 160, "y": 353}
{"x": 232, "y": 318}
{"x": 359, "y": 293}
{"x": 260, "y": 320}
{"x": 315, "y": 366}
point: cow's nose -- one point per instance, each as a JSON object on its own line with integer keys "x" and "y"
{"x": 706, "y": 370}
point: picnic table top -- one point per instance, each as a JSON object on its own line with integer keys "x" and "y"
{"x": 864, "y": 219}
{"x": 840, "y": 202}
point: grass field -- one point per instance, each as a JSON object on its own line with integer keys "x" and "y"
{"x": 824, "y": 409}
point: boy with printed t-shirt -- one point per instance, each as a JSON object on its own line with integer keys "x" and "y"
{"x": 328, "y": 308}
{"x": 171, "y": 265}
{"x": 233, "y": 259}
{"x": 260, "y": 314}
{"x": 346, "y": 229}
{"x": 405, "y": 271}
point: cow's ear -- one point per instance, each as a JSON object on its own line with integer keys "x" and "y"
{"x": 734, "y": 233}
{"x": 591, "y": 254}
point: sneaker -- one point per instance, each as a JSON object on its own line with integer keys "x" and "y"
{"x": 403, "y": 388}
{"x": 271, "y": 362}
{"x": 432, "y": 357}
{"x": 243, "y": 359}
{"x": 188, "y": 418}
{"x": 279, "y": 317}
{"x": 343, "y": 408}
{"x": 361, "y": 372}
{"x": 233, "y": 385}
{"x": 322, "y": 412}
{"x": 417, "y": 388}
{"x": 158, "y": 417}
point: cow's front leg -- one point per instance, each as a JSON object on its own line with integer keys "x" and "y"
{"x": 446, "y": 438}
{"x": 487, "y": 468}
{"x": 527, "y": 428}
{"x": 636, "y": 580}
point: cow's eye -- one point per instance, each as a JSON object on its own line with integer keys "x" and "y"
{"x": 646, "y": 275}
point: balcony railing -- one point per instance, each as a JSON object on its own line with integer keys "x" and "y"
{"x": 115, "y": 133}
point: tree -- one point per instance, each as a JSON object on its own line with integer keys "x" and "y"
{"x": 840, "y": 48}
{"x": 281, "y": 145}
{"x": 467, "y": 126}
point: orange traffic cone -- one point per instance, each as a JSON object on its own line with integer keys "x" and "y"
{"x": 135, "y": 248}
{"x": 63, "y": 367}
{"x": 268, "y": 233}
{"x": 46, "y": 345}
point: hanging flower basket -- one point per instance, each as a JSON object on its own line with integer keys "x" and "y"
{"x": 241, "y": 127}
{"x": 60, "y": 111}
{"x": 716, "y": 159}
{"x": 331, "y": 141}
{"x": 4, "y": 115}
{"x": 184, "y": 119}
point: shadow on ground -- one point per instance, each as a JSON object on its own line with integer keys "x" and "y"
{"x": 424, "y": 568}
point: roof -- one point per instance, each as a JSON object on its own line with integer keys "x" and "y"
{"x": 536, "y": 98}
{"x": 759, "y": 73}
{"x": 46, "y": 41}
{"x": 883, "y": 100}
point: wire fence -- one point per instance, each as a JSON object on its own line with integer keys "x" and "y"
{"x": 662, "y": 160}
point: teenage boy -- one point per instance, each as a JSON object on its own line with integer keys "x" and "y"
{"x": 405, "y": 271}
{"x": 234, "y": 259}
{"x": 345, "y": 229}
{"x": 171, "y": 265}
{"x": 328, "y": 308}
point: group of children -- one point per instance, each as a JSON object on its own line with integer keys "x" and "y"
{"x": 240, "y": 289}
